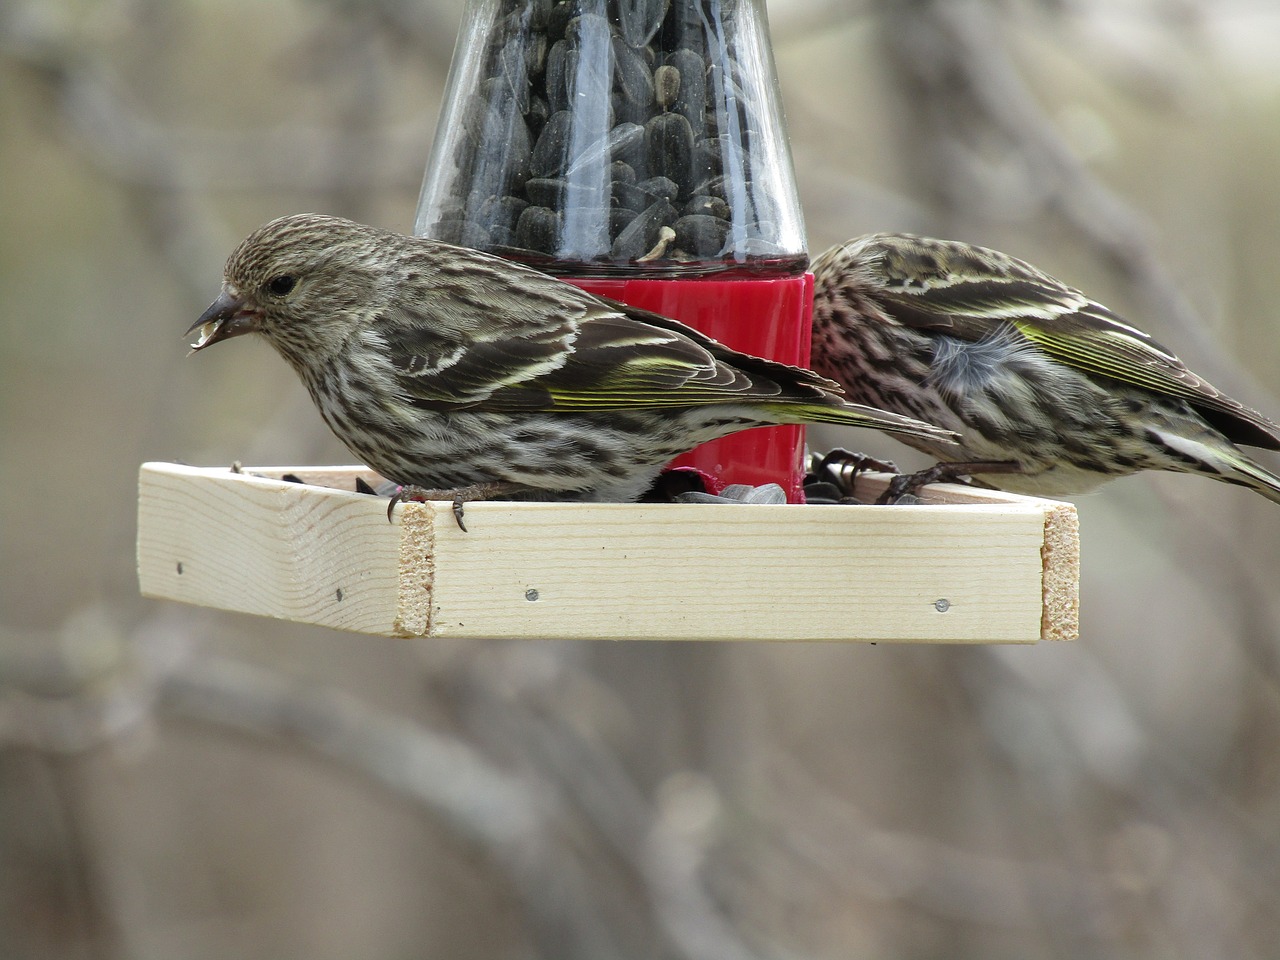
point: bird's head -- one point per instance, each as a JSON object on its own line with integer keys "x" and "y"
{"x": 304, "y": 282}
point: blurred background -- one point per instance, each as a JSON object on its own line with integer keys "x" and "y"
{"x": 183, "y": 783}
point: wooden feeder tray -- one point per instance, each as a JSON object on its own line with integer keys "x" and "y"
{"x": 965, "y": 566}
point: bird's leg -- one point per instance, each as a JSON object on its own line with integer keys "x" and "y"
{"x": 841, "y": 467}
{"x": 943, "y": 472}
{"x": 459, "y": 496}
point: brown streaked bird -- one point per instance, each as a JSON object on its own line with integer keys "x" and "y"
{"x": 471, "y": 377}
{"x": 1050, "y": 392}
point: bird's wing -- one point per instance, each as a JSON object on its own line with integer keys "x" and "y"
{"x": 610, "y": 356}
{"x": 968, "y": 292}
{"x": 626, "y": 357}
{"x": 450, "y": 372}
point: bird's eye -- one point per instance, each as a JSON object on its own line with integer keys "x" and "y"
{"x": 281, "y": 286}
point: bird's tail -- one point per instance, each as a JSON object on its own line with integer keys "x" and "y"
{"x": 842, "y": 411}
{"x": 1247, "y": 473}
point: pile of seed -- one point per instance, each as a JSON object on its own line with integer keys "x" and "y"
{"x": 612, "y": 134}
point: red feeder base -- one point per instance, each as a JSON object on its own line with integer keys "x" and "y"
{"x": 768, "y": 317}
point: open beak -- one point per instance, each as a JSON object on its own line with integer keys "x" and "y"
{"x": 227, "y": 317}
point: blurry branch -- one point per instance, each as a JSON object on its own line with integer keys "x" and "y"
{"x": 110, "y": 128}
{"x": 550, "y": 822}
{"x": 550, "y": 827}
{"x": 802, "y": 21}
{"x": 1075, "y": 715}
{"x": 1234, "y": 560}
{"x": 566, "y": 809}
{"x": 505, "y": 815}
{"x": 982, "y": 143}
{"x": 478, "y": 801}
{"x": 841, "y": 845}
{"x": 80, "y": 700}
{"x": 661, "y": 847}
{"x": 1147, "y": 55}
{"x": 71, "y": 691}
{"x": 170, "y": 172}
{"x": 425, "y": 29}
{"x": 107, "y": 130}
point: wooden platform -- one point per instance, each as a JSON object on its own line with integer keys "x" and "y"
{"x": 967, "y": 566}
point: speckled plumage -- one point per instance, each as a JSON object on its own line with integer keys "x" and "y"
{"x": 445, "y": 368}
{"x": 1028, "y": 371}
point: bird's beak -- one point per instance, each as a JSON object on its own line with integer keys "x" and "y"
{"x": 228, "y": 316}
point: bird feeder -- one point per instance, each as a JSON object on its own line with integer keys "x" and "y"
{"x": 637, "y": 149}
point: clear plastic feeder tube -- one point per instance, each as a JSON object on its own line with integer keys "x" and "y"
{"x": 616, "y": 138}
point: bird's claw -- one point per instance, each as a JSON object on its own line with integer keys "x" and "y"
{"x": 457, "y": 496}
{"x": 840, "y": 469}
{"x": 421, "y": 494}
{"x": 943, "y": 472}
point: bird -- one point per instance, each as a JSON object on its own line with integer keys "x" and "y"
{"x": 458, "y": 374}
{"x": 1050, "y": 392}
